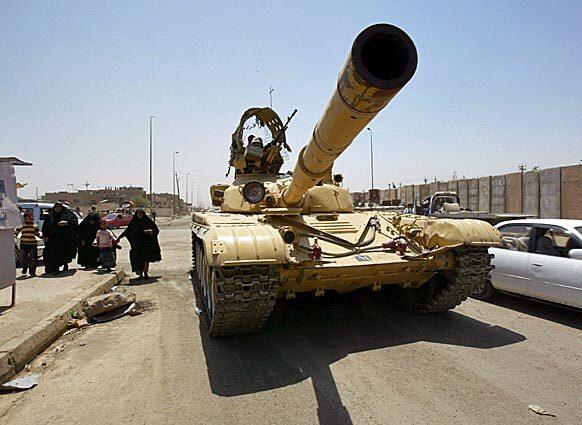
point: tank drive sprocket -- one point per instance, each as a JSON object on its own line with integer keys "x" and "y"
{"x": 445, "y": 292}
{"x": 234, "y": 300}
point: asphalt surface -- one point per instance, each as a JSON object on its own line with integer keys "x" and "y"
{"x": 338, "y": 359}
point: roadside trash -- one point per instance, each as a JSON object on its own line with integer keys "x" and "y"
{"x": 23, "y": 383}
{"x": 82, "y": 344}
{"x": 59, "y": 349}
{"x": 540, "y": 410}
{"x": 78, "y": 323}
{"x": 197, "y": 311}
{"x": 75, "y": 314}
{"x": 113, "y": 289}
{"x": 108, "y": 302}
{"x": 113, "y": 314}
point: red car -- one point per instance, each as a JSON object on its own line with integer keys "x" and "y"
{"x": 117, "y": 220}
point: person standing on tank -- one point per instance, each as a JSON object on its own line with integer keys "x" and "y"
{"x": 59, "y": 232}
{"x": 142, "y": 234}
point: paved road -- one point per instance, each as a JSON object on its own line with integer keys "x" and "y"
{"x": 333, "y": 360}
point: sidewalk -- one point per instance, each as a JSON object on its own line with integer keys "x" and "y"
{"x": 42, "y": 309}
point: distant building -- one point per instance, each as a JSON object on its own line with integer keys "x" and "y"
{"x": 87, "y": 198}
{"x": 110, "y": 198}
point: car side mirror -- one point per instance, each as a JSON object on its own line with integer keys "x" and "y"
{"x": 575, "y": 254}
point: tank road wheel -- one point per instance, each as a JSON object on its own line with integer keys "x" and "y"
{"x": 446, "y": 291}
{"x": 235, "y": 300}
{"x": 485, "y": 291}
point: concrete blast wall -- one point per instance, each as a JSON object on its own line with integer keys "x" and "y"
{"x": 485, "y": 194}
{"x": 463, "y": 193}
{"x": 572, "y": 192}
{"x": 531, "y": 193}
{"x": 473, "y": 202}
{"x": 513, "y": 192}
{"x": 498, "y": 194}
{"x": 548, "y": 193}
{"x": 550, "y": 198}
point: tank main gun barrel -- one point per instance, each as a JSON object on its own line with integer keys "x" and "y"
{"x": 382, "y": 60}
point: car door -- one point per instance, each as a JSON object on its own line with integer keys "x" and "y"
{"x": 510, "y": 262}
{"x": 554, "y": 276}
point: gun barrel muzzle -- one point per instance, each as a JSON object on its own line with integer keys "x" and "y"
{"x": 382, "y": 60}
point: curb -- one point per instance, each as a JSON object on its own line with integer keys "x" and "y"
{"x": 21, "y": 350}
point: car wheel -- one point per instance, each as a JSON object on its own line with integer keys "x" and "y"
{"x": 485, "y": 291}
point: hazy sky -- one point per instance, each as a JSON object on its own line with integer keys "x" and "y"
{"x": 496, "y": 85}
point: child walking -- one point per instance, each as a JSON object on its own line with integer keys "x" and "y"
{"x": 28, "y": 244}
{"x": 105, "y": 241}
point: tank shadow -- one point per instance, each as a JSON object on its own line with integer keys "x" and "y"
{"x": 555, "y": 313}
{"x": 303, "y": 338}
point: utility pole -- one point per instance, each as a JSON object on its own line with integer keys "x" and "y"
{"x": 151, "y": 191}
{"x": 37, "y": 193}
{"x": 271, "y": 90}
{"x": 174, "y": 183}
{"x": 371, "y": 157}
{"x": 522, "y": 167}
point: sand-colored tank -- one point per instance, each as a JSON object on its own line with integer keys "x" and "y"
{"x": 277, "y": 234}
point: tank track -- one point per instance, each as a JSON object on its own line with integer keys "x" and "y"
{"x": 245, "y": 297}
{"x": 446, "y": 292}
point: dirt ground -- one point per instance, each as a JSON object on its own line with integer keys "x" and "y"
{"x": 333, "y": 360}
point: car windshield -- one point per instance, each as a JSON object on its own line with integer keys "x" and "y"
{"x": 111, "y": 216}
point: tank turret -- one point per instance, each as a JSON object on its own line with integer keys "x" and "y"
{"x": 382, "y": 60}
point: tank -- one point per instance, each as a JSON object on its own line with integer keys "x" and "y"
{"x": 274, "y": 235}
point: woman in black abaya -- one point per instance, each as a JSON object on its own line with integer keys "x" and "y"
{"x": 59, "y": 232}
{"x": 88, "y": 254}
{"x": 142, "y": 234}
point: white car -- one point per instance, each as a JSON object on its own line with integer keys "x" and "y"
{"x": 540, "y": 259}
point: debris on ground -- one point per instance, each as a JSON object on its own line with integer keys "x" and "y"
{"x": 114, "y": 314}
{"x": 540, "y": 410}
{"x": 78, "y": 323}
{"x": 113, "y": 289}
{"x": 106, "y": 303}
{"x": 82, "y": 344}
{"x": 22, "y": 383}
{"x": 59, "y": 349}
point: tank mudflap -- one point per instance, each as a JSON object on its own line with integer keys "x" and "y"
{"x": 234, "y": 300}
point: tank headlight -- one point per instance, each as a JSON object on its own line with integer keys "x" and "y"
{"x": 254, "y": 192}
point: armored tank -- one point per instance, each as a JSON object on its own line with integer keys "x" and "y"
{"x": 276, "y": 235}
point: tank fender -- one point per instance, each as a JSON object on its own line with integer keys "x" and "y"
{"x": 450, "y": 232}
{"x": 245, "y": 245}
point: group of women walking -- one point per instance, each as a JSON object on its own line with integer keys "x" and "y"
{"x": 64, "y": 237}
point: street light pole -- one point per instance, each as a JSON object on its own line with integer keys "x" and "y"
{"x": 192, "y": 196}
{"x": 271, "y": 90}
{"x": 151, "y": 191}
{"x": 174, "y": 183}
{"x": 371, "y": 157}
{"x": 187, "y": 174}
